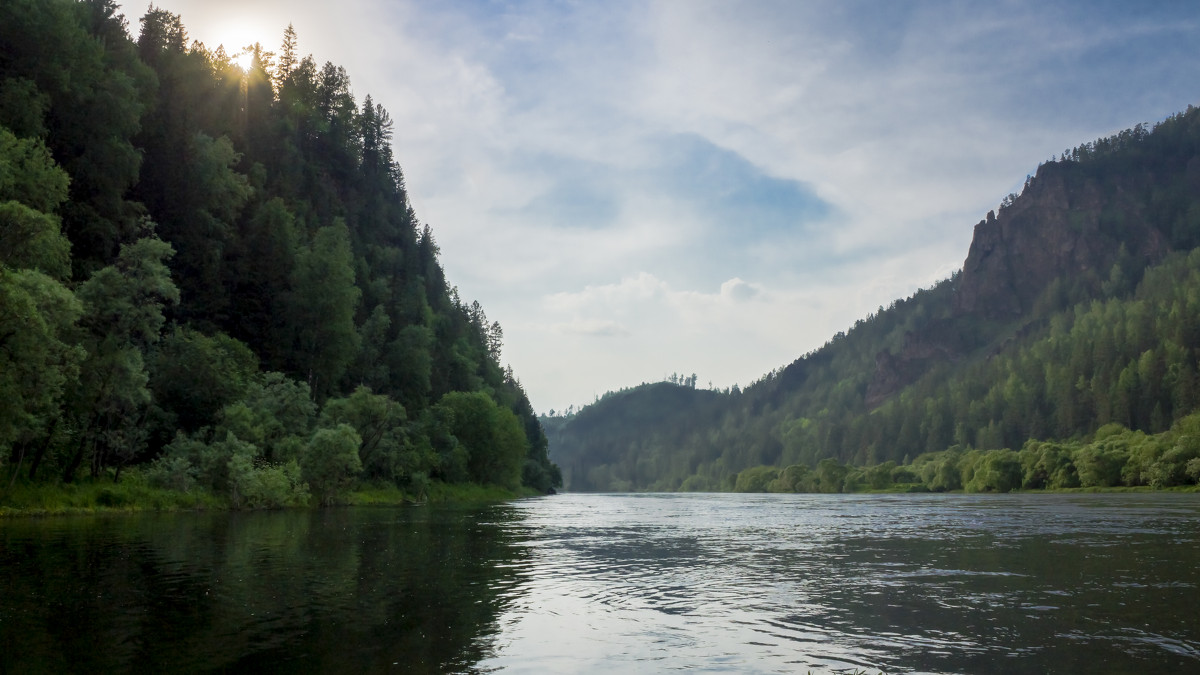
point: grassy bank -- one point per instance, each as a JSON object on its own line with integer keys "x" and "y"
{"x": 100, "y": 496}
{"x": 436, "y": 493}
{"x": 133, "y": 494}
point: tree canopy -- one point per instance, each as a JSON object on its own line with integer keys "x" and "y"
{"x": 216, "y": 275}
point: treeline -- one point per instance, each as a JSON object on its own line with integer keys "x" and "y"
{"x": 1112, "y": 341}
{"x": 621, "y": 429}
{"x": 1115, "y": 457}
{"x": 1131, "y": 360}
{"x": 216, "y": 275}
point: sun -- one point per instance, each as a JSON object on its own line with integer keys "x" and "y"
{"x": 235, "y": 35}
{"x": 243, "y": 60}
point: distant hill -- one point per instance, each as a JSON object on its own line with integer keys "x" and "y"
{"x": 601, "y": 433}
{"x": 1077, "y": 306}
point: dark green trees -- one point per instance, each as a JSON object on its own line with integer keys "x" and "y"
{"x": 171, "y": 224}
{"x": 122, "y": 319}
{"x": 492, "y": 437}
{"x": 321, "y": 309}
{"x": 38, "y": 357}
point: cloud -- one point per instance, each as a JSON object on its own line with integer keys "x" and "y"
{"x": 594, "y": 328}
{"x": 739, "y": 291}
{"x": 636, "y": 289}
{"x": 647, "y": 298}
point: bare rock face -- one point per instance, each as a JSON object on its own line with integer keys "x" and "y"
{"x": 1064, "y": 225}
{"x": 1057, "y": 228}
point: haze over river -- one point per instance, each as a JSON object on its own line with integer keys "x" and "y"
{"x": 617, "y": 584}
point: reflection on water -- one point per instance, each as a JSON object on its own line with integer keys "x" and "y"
{"x": 617, "y": 583}
{"x": 338, "y": 590}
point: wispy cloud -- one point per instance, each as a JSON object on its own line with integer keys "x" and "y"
{"x": 594, "y": 327}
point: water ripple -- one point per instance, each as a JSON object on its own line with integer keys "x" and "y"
{"x": 736, "y": 583}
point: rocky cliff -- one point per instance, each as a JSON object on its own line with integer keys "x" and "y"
{"x": 1114, "y": 203}
{"x": 1063, "y": 225}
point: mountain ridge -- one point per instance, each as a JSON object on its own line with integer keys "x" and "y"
{"x": 1085, "y": 227}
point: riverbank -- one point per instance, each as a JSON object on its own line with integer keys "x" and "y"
{"x": 132, "y": 494}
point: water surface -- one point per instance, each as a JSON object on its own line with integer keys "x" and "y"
{"x": 617, "y": 583}
{"x": 924, "y": 583}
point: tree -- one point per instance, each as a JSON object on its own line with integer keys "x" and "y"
{"x": 38, "y": 360}
{"x": 122, "y": 318}
{"x": 261, "y": 266}
{"x": 323, "y": 301}
{"x": 330, "y": 461}
{"x": 830, "y": 475}
{"x": 94, "y": 92}
{"x": 276, "y": 414}
{"x": 194, "y": 376}
{"x": 288, "y": 56}
{"x": 755, "y": 479}
{"x": 380, "y": 423}
{"x": 32, "y": 187}
{"x": 491, "y": 435}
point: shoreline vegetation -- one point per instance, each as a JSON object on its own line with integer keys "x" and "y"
{"x": 135, "y": 494}
{"x": 1116, "y": 459}
{"x": 103, "y": 497}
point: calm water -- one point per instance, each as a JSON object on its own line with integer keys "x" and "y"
{"x": 617, "y": 583}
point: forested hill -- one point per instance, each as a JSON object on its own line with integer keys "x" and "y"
{"x": 1078, "y": 306}
{"x": 216, "y": 274}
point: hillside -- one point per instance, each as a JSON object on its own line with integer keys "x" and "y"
{"x": 621, "y": 420}
{"x": 215, "y": 274}
{"x": 1077, "y": 307}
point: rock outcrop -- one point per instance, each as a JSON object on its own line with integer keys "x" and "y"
{"x": 1063, "y": 225}
{"x": 1067, "y": 223}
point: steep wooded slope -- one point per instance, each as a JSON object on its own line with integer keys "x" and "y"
{"x": 217, "y": 272}
{"x": 1010, "y": 348}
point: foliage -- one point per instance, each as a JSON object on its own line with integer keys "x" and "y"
{"x": 492, "y": 437}
{"x": 330, "y": 461}
{"x": 194, "y": 376}
{"x": 1115, "y": 457}
{"x": 170, "y": 224}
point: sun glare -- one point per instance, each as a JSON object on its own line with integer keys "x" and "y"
{"x": 236, "y": 35}
{"x": 244, "y": 60}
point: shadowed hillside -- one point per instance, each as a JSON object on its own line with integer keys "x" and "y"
{"x": 1077, "y": 306}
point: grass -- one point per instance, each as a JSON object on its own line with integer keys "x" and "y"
{"x": 90, "y": 496}
{"x": 435, "y": 493}
{"x": 1119, "y": 488}
{"x": 133, "y": 494}
{"x": 379, "y": 495}
{"x": 472, "y": 493}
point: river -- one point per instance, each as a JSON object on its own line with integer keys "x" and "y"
{"x": 616, "y": 584}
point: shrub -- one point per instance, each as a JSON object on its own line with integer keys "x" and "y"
{"x": 330, "y": 462}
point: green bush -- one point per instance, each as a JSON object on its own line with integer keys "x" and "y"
{"x": 172, "y": 472}
{"x": 755, "y": 479}
{"x": 1100, "y": 465}
{"x": 330, "y": 462}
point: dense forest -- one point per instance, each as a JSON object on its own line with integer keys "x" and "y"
{"x": 211, "y": 278}
{"x": 1075, "y": 318}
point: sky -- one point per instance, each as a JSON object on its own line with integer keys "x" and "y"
{"x": 636, "y": 188}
